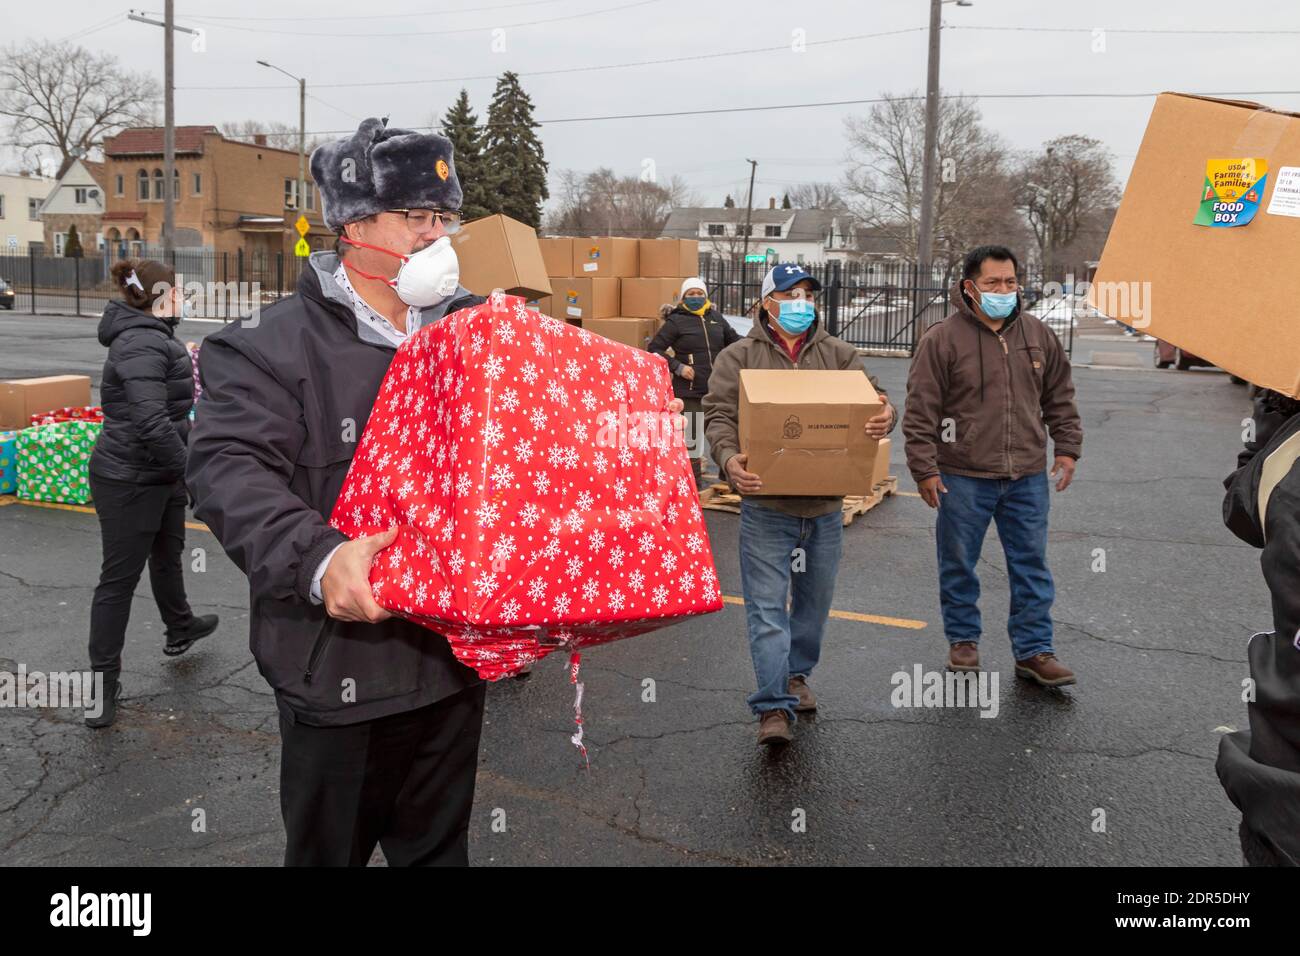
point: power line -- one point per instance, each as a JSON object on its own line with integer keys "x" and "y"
{"x": 398, "y": 16}
{"x": 856, "y": 102}
{"x": 109, "y": 21}
{"x": 1175, "y": 31}
{"x": 337, "y": 109}
{"x": 437, "y": 33}
{"x": 583, "y": 69}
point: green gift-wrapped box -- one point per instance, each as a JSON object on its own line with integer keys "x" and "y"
{"x": 53, "y": 461}
{"x": 8, "y": 462}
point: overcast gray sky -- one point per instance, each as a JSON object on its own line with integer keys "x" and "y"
{"x": 349, "y": 42}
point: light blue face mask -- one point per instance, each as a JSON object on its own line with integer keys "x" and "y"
{"x": 997, "y": 305}
{"x": 796, "y": 315}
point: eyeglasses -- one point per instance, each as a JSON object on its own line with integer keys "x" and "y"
{"x": 793, "y": 294}
{"x": 422, "y": 220}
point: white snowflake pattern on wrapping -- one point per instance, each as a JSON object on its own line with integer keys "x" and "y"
{"x": 477, "y": 435}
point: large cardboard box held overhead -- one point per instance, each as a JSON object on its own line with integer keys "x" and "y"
{"x": 644, "y": 297}
{"x": 665, "y": 258}
{"x": 498, "y": 252}
{"x": 805, "y": 431}
{"x": 636, "y": 332}
{"x": 20, "y": 398}
{"x": 604, "y": 256}
{"x": 1223, "y": 291}
{"x": 581, "y": 298}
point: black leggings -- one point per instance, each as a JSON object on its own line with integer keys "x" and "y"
{"x": 139, "y": 524}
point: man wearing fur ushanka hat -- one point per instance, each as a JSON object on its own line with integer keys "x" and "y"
{"x": 379, "y": 724}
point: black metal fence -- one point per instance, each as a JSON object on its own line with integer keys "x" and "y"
{"x": 885, "y": 305}
{"x": 882, "y": 306}
{"x": 61, "y": 285}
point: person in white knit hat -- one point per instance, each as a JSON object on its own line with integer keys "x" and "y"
{"x": 696, "y": 332}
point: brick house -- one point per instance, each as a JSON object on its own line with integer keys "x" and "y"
{"x": 77, "y": 199}
{"x": 229, "y": 195}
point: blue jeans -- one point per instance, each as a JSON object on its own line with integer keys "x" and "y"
{"x": 1020, "y": 509}
{"x": 786, "y": 643}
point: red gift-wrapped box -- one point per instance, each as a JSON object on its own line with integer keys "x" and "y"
{"x": 542, "y": 491}
{"x": 69, "y": 413}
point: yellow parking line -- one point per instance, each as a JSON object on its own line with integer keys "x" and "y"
{"x": 904, "y": 622}
{"x": 727, "y": 598}
{"x": 81, "y": 509}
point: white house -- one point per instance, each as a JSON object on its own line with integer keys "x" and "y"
{"x": 77, "y": 199}
{"x": 21, "y": 195}
{"x": 792, "y": 235}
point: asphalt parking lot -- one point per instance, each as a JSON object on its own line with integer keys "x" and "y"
{"x": 1158, "y": 641}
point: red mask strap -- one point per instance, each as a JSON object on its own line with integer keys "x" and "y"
{"x": 366, "y": 245}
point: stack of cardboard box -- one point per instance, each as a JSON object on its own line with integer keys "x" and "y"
{"x": 615, "y": 286}
{"x": 47, "y": 462}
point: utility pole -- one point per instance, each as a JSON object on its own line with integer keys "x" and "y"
{"x": 302, "y": 134}
{"x": 749, "y": 209}
{"x": 169, "y": 130}
{"x": 169, "y": 118}
{"x": 925, "y": 230}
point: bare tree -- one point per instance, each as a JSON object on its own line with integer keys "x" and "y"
{"x": 602, "y": 202}
{"x": 882, "y": 184}
{"x": 278, "y": 135}
{"x": 817, "y": 196}
{"x": 1061, "y": 192}
{"x": 62, "y": 100}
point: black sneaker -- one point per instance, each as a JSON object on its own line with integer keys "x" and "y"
{"x": 112, "y": 691}
{"x": 178, "y": 642}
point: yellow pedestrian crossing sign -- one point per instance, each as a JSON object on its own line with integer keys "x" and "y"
{"x": 302, "y": 249}
{"x": 302, "y": 225}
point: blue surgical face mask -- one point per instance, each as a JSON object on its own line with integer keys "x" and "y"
{"x": 694, "y": 302}
{"x": 998, "y": 305}
{"x": 796, "y": 315}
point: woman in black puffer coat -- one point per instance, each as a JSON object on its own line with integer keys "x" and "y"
{"x": 696, "y": 332}
{"x": 137, "y": 469}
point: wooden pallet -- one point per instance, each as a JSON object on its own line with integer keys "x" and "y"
{"x": 719, "y": 497}
{"x": 861, "y": 504}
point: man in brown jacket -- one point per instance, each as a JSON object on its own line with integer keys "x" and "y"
{"x": 789, "y": 547}
{"x": 986, "y": 386}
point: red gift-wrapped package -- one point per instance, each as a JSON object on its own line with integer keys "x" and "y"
{"x": 541, "y": 490}
{"x": 69, "y": 413}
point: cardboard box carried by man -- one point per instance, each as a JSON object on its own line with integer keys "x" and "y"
{"x": 805, "y": 431}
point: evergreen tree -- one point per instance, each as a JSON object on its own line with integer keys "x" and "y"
{"x": 729, "y": 203}
{"x": 460, "y": 125}
{"x": 785, "y": 201}
{"x": 72, "y": 245}
{"x": 514, "y": 153}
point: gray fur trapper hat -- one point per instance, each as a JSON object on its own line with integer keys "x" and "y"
{"x": 378, "y": 168}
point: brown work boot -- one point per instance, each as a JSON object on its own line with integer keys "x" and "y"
{"x": 807, "y": 699}
{"x": 1046, "y": 670}
{"x": 964, "y": 656}
{"x": 774, "y": 728}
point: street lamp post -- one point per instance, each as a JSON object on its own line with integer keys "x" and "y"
{"x": 302, "y": 134}
{"x": 749, "y": 210}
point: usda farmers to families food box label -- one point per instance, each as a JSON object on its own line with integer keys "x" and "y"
{"x": 1232, "y": 193}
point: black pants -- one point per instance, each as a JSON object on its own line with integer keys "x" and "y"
{"x": 405, "y": 782}
{"x": 139, "y": 524}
